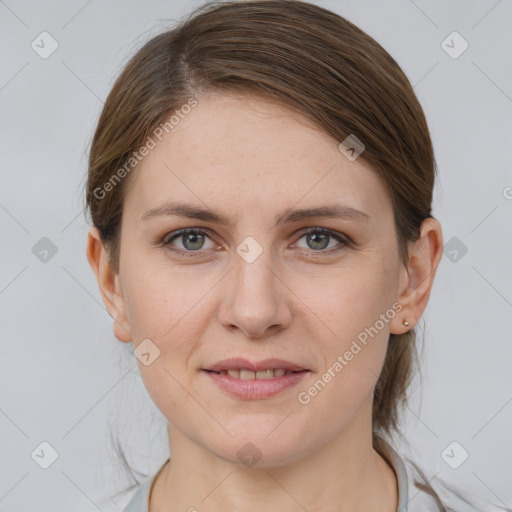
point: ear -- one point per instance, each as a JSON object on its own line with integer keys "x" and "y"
{"x": 417, "y": 277}
{"x": 109, "y": 285}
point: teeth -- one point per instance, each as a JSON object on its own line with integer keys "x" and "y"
{"x": 265, "y": 374}
{"x": 247, "y": 375}
{"x": 260, "y": 375}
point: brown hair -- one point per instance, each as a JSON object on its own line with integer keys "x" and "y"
{"x": 309, "y": 59}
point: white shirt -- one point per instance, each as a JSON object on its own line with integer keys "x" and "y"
{"x": 415, "y": 492}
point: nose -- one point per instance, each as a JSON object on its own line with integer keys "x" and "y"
{"x": 255, "y": 299}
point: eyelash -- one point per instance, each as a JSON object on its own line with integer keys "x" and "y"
{"x": 344, "y": 241}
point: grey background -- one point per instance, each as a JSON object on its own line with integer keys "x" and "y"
{"x": 66, "y": 380}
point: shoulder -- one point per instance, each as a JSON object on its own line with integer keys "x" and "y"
{"x": 139, "y": 501}
{"x": 434, "y": 494}
{"x": 418, "y": 492}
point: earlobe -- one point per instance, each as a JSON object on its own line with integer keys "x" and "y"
{"x": 109, "y": 285}
{"x": 418, "y": 276}
{"x": 398, "y": 325}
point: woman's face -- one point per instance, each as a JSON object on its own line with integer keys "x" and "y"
{"x": 258, "y": 286}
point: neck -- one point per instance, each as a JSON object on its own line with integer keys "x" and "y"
{"x": 346, "y": 474}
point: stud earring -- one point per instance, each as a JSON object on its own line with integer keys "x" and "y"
{"x": 406, "y": 323}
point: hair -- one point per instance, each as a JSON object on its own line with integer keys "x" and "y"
{"x": 299, "y": 55}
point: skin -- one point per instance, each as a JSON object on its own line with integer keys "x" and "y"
{"x": 249, "y": 161}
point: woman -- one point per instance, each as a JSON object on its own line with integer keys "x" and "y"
{"x": 260, "y": 187}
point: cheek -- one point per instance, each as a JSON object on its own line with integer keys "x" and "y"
{"x": 354, "y": 306}
{"x": 167, "y": 308}
{"x": 160, "y": 307}
{"x": 162, "y": 299}
{"x": 348, "y": 300}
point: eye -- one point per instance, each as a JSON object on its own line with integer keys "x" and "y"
{"x": 191, "y": 240}
{"x": 318, "y": 239}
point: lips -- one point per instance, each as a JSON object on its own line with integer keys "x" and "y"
{"x": 248, "y": 384}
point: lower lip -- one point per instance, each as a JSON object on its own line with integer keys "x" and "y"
{"x": 256, "y": 388}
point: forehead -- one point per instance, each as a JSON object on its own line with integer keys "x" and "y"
{"x": 236, "y": 153}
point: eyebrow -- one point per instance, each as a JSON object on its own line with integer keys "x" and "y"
{"x": 337, "y": 211}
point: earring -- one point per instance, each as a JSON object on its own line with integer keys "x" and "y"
{"x": 406, "y": 323}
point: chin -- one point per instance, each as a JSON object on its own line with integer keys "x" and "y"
{"x": 258, "y": 450}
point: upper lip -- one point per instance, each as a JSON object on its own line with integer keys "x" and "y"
{"x": 266, "y": 364}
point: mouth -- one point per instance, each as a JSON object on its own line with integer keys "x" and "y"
{"x": 255, "y": 380}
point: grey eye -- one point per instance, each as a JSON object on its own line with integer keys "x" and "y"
{"x": 317, "y": 241}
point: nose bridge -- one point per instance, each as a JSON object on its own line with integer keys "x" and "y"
{"x": 252, "y": 274}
